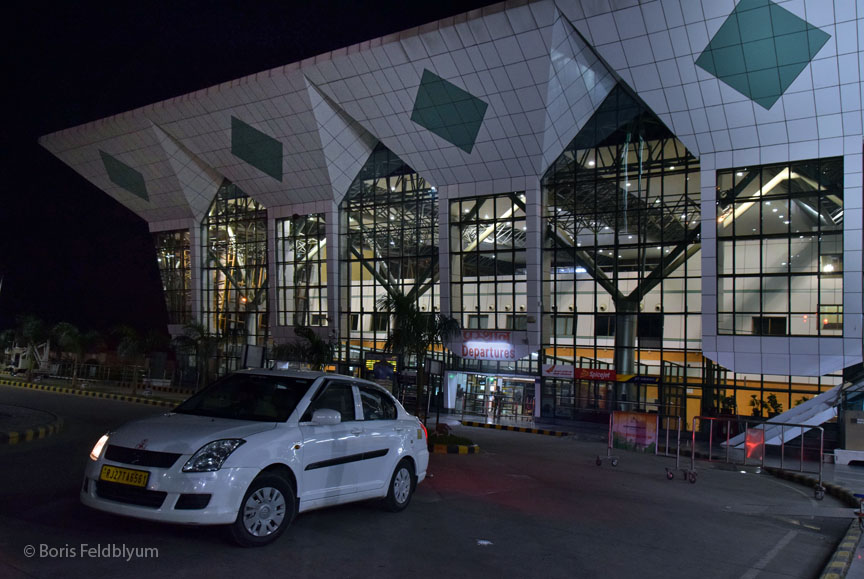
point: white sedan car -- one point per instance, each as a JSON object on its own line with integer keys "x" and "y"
{"x": 257, "y": 447}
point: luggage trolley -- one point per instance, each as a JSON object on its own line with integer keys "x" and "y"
{"x": 687, "y": 474}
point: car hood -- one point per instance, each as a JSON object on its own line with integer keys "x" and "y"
{"x": 182, "y": 433}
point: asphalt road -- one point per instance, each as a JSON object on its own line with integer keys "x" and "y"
{"x": 527, "y": 506}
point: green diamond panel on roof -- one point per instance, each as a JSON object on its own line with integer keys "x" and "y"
{"x": 761, "y": 49}
{"x": 448, "y": 111}
{"x": 124, "y": 176}
{"x": 256, "y": 148}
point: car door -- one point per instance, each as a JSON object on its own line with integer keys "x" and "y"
{"x": 382, "y": 438}
{"x": 331, "y": 453}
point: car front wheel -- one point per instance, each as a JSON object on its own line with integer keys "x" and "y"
{"x": 266, "y": 511}
{"x": 401, "y": 487}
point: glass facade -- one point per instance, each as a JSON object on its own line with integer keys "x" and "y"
{"x": 389, "y": 245}
{"x": 301, "y": 270}
{"x": 487, "y": 262}
{"x": 780, "y": 249}
{"x": 621, "y": 260}
{"x": 175, "y": 269}
{"x": 234, "y": 273}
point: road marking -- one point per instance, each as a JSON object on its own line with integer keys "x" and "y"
{"x": 763, "y": 562}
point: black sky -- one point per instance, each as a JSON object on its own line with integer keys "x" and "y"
{"x": 68, "y": 252}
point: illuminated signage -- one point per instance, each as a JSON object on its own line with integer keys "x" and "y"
{"x": 572, "y": 373}
{"x": 487, "y": 345}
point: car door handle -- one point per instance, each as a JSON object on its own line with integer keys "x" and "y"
{"x": 398, "y": 428}
{"x": 356, "y": 431}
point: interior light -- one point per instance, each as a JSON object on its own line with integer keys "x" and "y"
{"x": 591, "y": 163}
{"x": 739, "y": 174}
{"x": 672, "y": 168}
{"x": 829, "y": 267}
{"x": 774, "y": 210}
{"x": 628, "y": 183}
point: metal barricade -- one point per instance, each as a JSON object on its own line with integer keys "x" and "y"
{"x": 819, "y": 489}
{"x": 661, "y": 421}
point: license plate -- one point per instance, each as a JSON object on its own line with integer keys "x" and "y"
{"x": 125, "y": 476}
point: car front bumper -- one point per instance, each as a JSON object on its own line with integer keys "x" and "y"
{"x": 226, "y": 488}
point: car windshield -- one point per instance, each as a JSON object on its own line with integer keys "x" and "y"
{"x": 248, "y": 397}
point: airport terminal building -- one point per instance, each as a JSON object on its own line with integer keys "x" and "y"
{"x": 656, "y": 202}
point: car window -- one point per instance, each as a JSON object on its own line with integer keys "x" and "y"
{"x": 248, "y": 397}
{"x": 337, "y": 396}
{"x": 376, "y": 405}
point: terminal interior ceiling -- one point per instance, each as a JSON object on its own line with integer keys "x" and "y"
{"x": 696, "y": 271}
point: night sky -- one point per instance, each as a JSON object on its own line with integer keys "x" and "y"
{"x": 69, "y": 252}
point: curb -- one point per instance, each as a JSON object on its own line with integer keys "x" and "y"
{"x": 838, "y": 566}
{"x": 91, "y": 394}
{"x": 454, "y": 449}
{"x": 36, "y": 433}
{"x": 515, "y": 428}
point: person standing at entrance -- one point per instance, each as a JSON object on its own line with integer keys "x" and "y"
{"x": 497, "y": 404}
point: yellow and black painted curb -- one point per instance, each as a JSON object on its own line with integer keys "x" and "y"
{"x": 454, "y": 448}
{"x": 838, "y": 565}
{"x": 30, "y": 434}
{"x": 515, "y": 428}
{"x": 89, "y": 393}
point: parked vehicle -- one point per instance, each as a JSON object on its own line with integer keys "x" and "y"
{"x": 257, "y": 447}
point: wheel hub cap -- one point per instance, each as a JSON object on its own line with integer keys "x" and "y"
{"x": 264, "y": 512}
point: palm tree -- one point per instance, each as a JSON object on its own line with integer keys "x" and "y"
{"x": 414, "y": 333}
{"x": 312, "y": 351}
{"x": 130, "y": 348}
{"x": 70, "y": 339}
{"x": 197, "y": 341}
{"x": 31, "y": 331}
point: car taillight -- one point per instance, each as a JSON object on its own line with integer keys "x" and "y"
{"x": 425, "y": 433}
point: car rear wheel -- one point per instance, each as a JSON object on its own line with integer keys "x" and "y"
{"x": 266, "y": 511}
{"x": 401, "y": 487}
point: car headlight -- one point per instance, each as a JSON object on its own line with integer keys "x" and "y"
{"x": 211, "y": 456}
{"x": 97, "y": 448}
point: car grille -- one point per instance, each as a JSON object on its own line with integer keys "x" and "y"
{"x": 140, "y": 457}
{"x": 128, "y": 494}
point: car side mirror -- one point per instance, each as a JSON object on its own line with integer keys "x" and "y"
{"x": 326, "y": 417}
